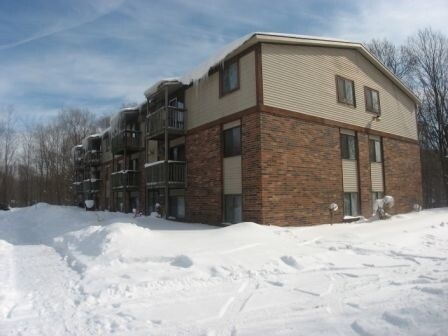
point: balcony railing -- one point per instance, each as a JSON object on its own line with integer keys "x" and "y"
{"x": 125, "y": 179}
{"x": 92, "y": 157}
{"x": 126, "y": 140}
{"x": 78, "y": 187}
{"x": 78, "y": 163}
{"x": 91, "y": 186}
{"x": 172, "y": 118}
{"x": 155, "y": 174}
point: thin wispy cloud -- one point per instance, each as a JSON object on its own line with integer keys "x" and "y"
{"x": 101, "y": 54}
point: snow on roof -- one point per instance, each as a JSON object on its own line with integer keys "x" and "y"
{"x": 155, "y": 87}
{"x": 202, "y": 70}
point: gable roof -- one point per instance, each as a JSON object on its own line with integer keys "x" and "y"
{"x": 251, "y": 39}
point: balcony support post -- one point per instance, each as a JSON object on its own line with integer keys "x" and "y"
{"x": 166, "y": 152}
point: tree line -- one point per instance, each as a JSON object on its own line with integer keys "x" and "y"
{"x": 37, "y": 160}
{"x": 422, "y": 63}
{"x": 35, "y": 164}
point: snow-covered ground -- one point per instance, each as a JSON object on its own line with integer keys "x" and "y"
{"x": 64, "y": 271}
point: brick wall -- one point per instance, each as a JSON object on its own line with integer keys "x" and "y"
{"x": 301, "y": 171}
{"x": 403, "y": 178}
{"x": 204, "y": 176}
{"x": 251, "y": 168}
{"x": 364, "y": 182}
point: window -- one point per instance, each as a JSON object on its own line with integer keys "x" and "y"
{"x": 232, "y": 141}
{"x": 372, "y": 98}
{"x": 345, "y": 91}
{"x": 232, "y": 209}
{"x": 229, "y": 78}
{"x": 374, "y": 150}
{"x": 348, "y": 147}
{"x": 177, "y": 153}
{"x": 177, "y": 207}
{"x": 351, "y": 204}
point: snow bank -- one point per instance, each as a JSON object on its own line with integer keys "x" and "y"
{"x": 113, "y": 273}
{"x": 106, "y": 245}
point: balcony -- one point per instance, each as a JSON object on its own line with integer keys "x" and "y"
{"x": 126, "y": 140}
{"x": 78, "y": 163}
{"x": 92, "y": 158}
{"x": 155, "y": 174}
{"x": 172, "y": 118}
{"x": 125, "y": 179}
{"x": 91, "y": 186}
{"x": 78, "y": 188}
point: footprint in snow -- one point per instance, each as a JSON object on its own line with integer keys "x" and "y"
{"x": 395, "y": 320}
{"x": 290, "y": 261}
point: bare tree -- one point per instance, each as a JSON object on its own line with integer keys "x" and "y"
{"x": 429, "y": 53}
{"x": 8, "y": 145}
{"x": 397, "y": 59}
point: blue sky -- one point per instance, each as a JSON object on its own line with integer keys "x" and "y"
{"x": 99, "y": 54}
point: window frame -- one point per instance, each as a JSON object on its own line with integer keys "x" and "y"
{"x": 353, "y": 90}
{"x": 232, "y": 220}
{"x": 232, "y": 153}
{"x": 378, "y": 156}
{"x": 226, "y": 66}
{"x": 355, "y": 149}
{"x": 367, "y": 91}
{"x": 353, "y": 195}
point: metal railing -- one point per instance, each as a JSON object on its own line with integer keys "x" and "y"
{"x": 91, "y": 186}
{"x": 155, "y": 174}
{"x": 125, "y": 179}
{"x": 126, "y": 139}
{"x": 172, "y": 117}
{"x": 92, "y": 158}
{"x": 78, "y": 188}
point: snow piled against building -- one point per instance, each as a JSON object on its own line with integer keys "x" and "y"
{"x": 66, "y": 271}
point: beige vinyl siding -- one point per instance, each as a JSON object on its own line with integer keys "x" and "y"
{"x": 231, "y": 124}
{"x": 151, "y": 151}
{"x": 204, "y": 104}
{"x": 106, "y": 156}
{"x": 376, "y": 173}
{"x": 177, "y": 141}
{"x": 302, "y": 79}
{"x": 232, "y": 175}
{"x": 350, "y": 175}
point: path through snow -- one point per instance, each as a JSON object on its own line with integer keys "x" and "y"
{"x": 69, "y": 272}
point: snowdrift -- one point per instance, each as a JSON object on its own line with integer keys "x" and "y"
{"x": 65, "y": 270}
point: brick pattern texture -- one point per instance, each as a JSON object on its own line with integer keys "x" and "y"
{"x": 364, "y": 182}
{"x": 403, "y": 178}
{"x": 204, "y": 176}
{"x": 251, "y": 168}
{"x": 301, "y": 171}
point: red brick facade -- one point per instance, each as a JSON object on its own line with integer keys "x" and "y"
{"x": 402, "y": 169}
{"x": 301, "y": 171}
{"x": 364, "y": 182}
{"x": 251, "y": 168}
{"x": 292, "y": 171}
{"x": 204, "y": 176}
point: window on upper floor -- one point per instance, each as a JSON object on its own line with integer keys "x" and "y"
{"x": 375, "y": 150}
{"x": 229, "y": 76}
{"x": 232, "y": 141}
{"x": 346, "y": 91}
{"x": 348, "y": 147}
{"x": 372, "y": 98}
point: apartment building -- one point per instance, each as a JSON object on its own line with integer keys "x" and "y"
{"x": 273, "y": 130}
